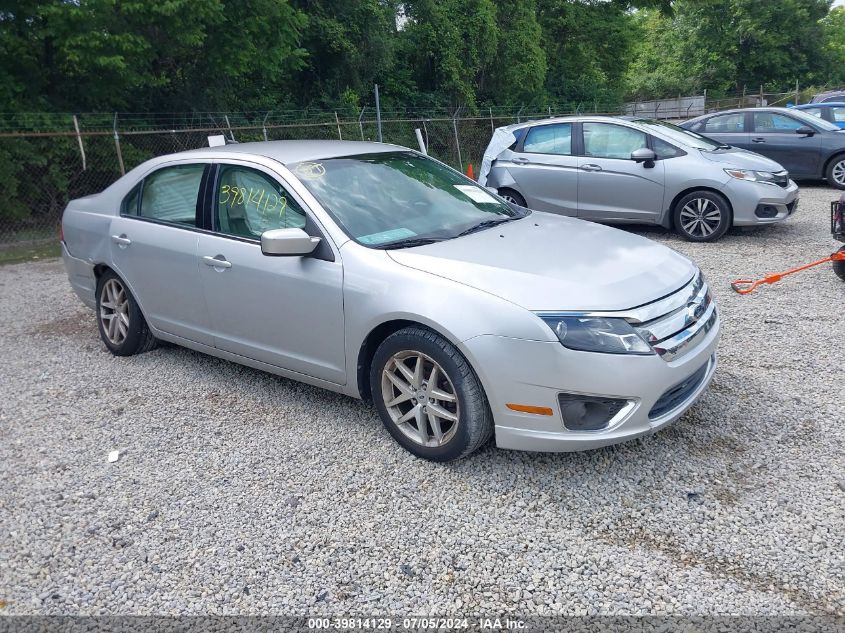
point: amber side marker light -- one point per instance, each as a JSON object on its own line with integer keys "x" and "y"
{"x": 527, "y": 408}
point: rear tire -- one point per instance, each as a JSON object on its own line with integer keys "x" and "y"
{"x": 702, "y": 216}
{"x": 120, "y": 322}
{"x": 835, "y": 172}
{"x": 512, "y": 196}
{"x": 428, "y": 396}
{"x": 839, "y": 266}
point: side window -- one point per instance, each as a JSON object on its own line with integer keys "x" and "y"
{"x": 604, "y": 140}
{"x": 132, "y": 201}
{"x": 773, "y": 122}
{"x": 664, "y": 150}
{"x": 249, "y": 202}
{"x": 170, "y": 194}
{"x": 814, "y": 111}
{"x": 838, "y": 114}
{"x": 549, "y": 139}
{"x": 725, "y": 123}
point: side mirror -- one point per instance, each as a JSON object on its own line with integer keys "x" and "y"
{"x": 644, "y": 155}
{"x": 288, "y": 242}
{"x": 805, "y": 130}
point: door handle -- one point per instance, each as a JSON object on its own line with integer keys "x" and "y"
{"x": 758, "y": 140}
{"x": 520, "y": 161}
{"x": 215, "y": 262}
{"x": 591, "y": 167}
{"x": 121, "y": 240}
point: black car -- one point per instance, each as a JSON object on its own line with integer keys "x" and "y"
{"x": 807, "y": 146}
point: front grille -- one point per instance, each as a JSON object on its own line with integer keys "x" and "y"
{"x": 781, "y": 178}
{"x": 678, "y": 394}
{"x": 675, "y": 324}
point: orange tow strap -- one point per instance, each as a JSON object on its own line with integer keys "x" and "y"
{"x": 744, "y": 286}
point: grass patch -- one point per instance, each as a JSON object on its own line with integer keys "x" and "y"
{"x": 15, "y": 254}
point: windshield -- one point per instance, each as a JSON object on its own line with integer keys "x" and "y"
{"x": 680, "y": 135}
{"x": 399, "y": 198}
{"x": 814, "y": 121}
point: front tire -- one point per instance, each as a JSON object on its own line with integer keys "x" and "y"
{"x": 512, "y": 196}
{"x": 839, "y": 266}
{"x": 428, "y": 397}
{"x": 122, "y": 326}
{"x": 702, "y": 216}
{"x": 835, "y": 172}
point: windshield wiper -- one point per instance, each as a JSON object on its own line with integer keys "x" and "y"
{"x": 486, "y": 224}
{"x": 409, "y": 242}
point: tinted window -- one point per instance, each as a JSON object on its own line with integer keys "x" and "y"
{"x": 773, "y": 122}
{"x": 170, "y": 194}
{"x": 664, "y": 149}
{"x": 838, "y": 114}
{"x": 603, "y": 140}
{"x": 725, "y": 123}
{"x": 549, "y": 139}
{"x": 130, "y": 202}
{"x": 250, "y": 202}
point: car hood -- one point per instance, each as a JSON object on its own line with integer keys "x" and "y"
{"x": 551, "y": 262}
{"x": 742, "y": 159}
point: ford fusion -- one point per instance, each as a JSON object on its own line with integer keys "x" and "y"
{"x": 375, "y": 271}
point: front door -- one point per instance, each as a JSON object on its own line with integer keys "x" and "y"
{"x": 774, "y": 135}
{"x": 613, "y": 187}
{"x": 545, "y": 169}
{"x": 284, "y": 311}
{"x": 154, "y": 249}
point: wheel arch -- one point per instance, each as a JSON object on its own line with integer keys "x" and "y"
{"x": 375, "y": 337}
{"x": 833, "y": 158}
{"x": 693, "y": 189}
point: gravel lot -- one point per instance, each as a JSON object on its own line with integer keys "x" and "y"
{"x": 241, "y": 492}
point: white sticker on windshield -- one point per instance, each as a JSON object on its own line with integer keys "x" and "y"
{"x": 386, "y": 236}
{"x": 476, "y": 194}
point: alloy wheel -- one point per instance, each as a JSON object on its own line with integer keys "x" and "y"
{"x": 420, "y": 398}
{"x": 838, "y": 173}
{"x": 700, "y": 217}
{"x": 114, "y": 311}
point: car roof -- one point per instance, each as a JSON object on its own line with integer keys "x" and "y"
{"x": 287, "y": 152}
{"x": 826, "y": 104}
{"x": 570, "y": 119}
{"x": 736, "y": 110}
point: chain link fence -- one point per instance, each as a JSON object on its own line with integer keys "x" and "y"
{"x": 46, "y": 160}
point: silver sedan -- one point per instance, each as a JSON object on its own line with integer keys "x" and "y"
{"x": 380, "y": 273}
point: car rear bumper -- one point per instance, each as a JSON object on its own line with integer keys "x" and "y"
{"x": 757, "y": 203}
{"x": 81, "y": 276}
{"x": 535, "y": 373}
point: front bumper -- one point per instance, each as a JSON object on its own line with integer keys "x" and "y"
{"x": 749, "y": 199}
{"x": 536, "y": 372}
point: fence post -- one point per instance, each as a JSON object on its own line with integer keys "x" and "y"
{"x": 361, "y": 125}
{"x": 490, "y": 110}
{"x": 339, "y": 135}
{"x": 796, "y": 93}
{"x": 420, "y": 141}
{"x": 117, "y": 147}
{"x": 378, "y": 115}
{"x": 457, "y": 140}
{"x": 79, "y": 140}
{"x": 264, "y": 124}
{"x": 518, "y": 119}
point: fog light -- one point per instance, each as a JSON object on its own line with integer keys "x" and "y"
{"x": 766, "y": 211}
{"x": 588, "y": 413}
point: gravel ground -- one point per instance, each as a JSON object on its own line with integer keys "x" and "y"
{"x": 240, "y": 492}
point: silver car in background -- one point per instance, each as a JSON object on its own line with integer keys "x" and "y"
{"x": 380, "y": 273}
{"x": 622, "y": 169}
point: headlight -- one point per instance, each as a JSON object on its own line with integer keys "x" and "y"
{"x": 750, "y": 174}
{"x": 597, "y": 334}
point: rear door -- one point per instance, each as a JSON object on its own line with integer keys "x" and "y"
{"x": 545, "y": 168}
{"x": 613, "y": 187}
{"x": 284, "y": 311}
{"x": 773, "y": 135}
{"x": 154, "y": 249}
{"x": 729, "y": 128}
